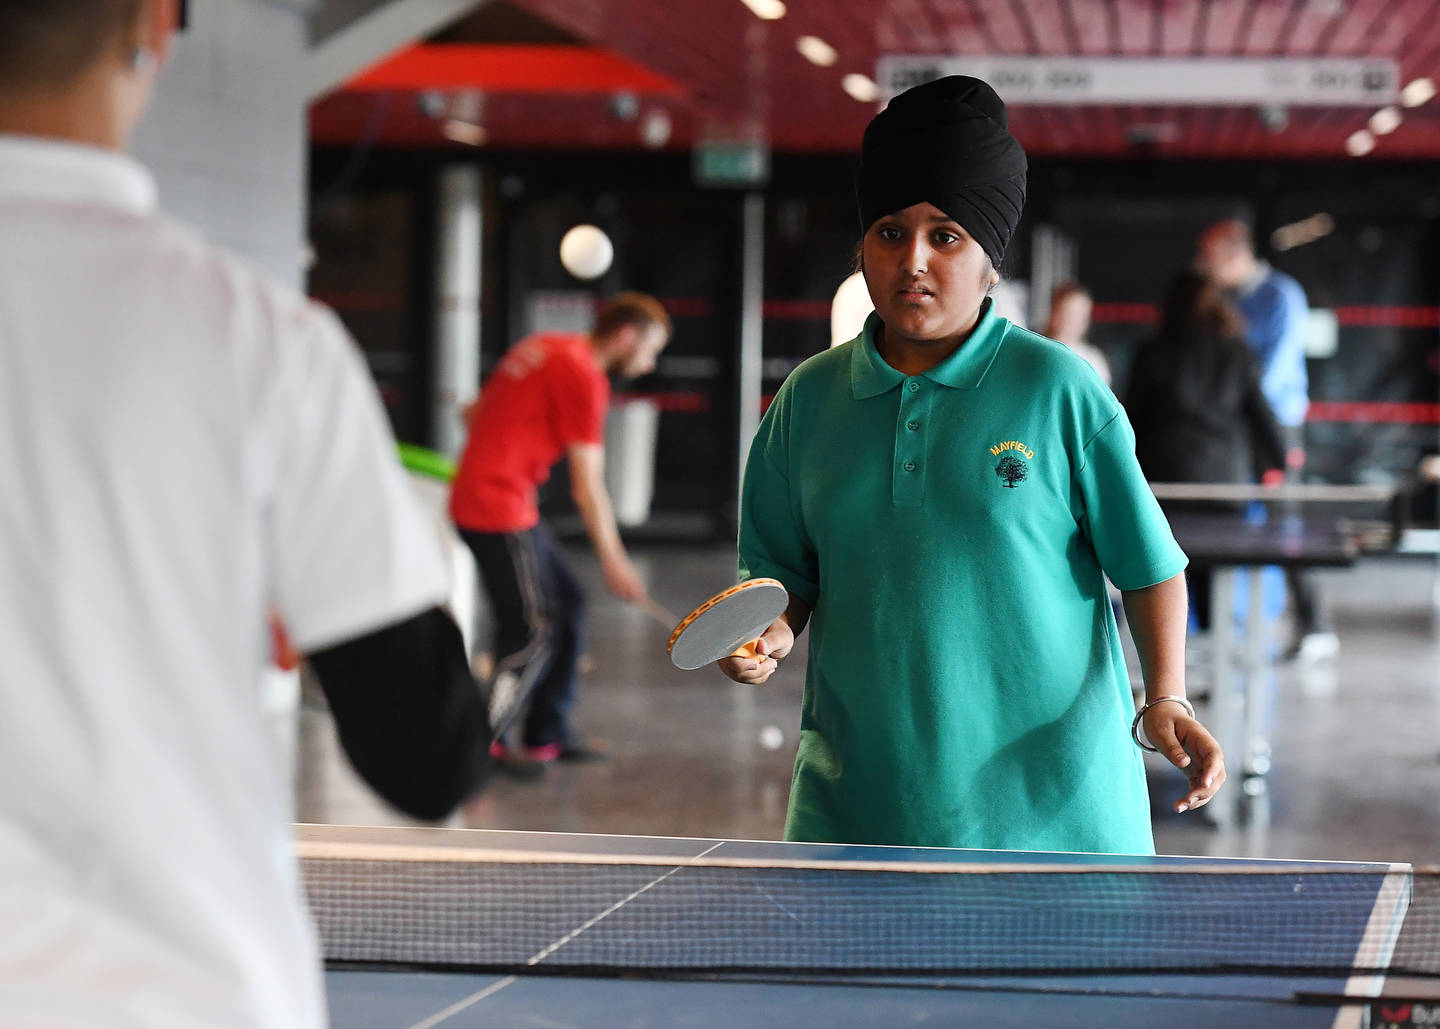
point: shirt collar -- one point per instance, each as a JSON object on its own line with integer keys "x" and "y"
{"x": 870, "y": 375}
{"x": 33, "y": 169}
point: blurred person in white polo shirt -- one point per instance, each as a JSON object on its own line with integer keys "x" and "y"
{"x": 186, "y": 446}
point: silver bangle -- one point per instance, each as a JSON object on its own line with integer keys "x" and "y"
{"x": 1135, "y": 725}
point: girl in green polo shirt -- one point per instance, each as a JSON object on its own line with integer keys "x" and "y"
{"x": 944, "y": 497}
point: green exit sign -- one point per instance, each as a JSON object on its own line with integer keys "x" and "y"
{"x": 732, "y": 164}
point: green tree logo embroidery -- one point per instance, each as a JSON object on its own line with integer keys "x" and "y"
{"x": 1012, "y": 470}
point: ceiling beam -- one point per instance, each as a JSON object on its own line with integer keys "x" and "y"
{"x": 375, "y": 34}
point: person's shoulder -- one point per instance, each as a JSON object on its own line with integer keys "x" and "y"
{"x": 1237, "y": 353}
{"x": 248, "y": 300}
{"x": 570, "y": 342}
{"x": 1019, "y": 338}
{"x": 820, "y": 371}
{"x": 1060, "y": 379}
{"x": 234, "y": 276}
{"x": 1048, "y": 357}
{"x": 830, "y": 361}
{"x": 1283, "y": 285}
{"x": 1281, "y": 280}
{"x": 568, "y": 353}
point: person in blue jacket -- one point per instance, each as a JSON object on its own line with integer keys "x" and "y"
{"x": 1275, "y": 311}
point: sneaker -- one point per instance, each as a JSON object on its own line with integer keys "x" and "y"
{"x": 570, "y": 750}
{"x": 513, "y": 764}
{"x": 575, "y": 750}
{"x": 545, "y": 753}
{"x": 1315, "y": 646}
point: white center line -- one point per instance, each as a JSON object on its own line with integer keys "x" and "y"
{"x": 461, "y": 1005}
{"x": 608, "y": 912}
{"x": 496, "y": 987}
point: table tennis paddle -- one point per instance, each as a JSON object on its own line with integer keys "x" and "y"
{"x": 655, "y": 610}
{"x": 727, "y": 624}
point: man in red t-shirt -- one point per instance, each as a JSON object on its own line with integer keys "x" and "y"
{"x": 547, "y": 400}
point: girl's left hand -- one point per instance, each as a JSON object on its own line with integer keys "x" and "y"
{"x": 1188, "y": 746}
{"x": 776, "y": 643}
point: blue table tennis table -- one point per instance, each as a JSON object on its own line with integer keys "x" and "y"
{"x": 382, "y": 992}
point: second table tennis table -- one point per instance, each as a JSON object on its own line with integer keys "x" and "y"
{"x": 1289, "y": 526}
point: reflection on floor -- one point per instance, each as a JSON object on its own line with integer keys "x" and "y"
{"x": 1356, "y": 740}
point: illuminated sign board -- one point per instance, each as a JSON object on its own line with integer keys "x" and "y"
{"x": 1202, "y": 81}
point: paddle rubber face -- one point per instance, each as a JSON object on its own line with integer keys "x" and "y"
{"x": 724, "y": 623}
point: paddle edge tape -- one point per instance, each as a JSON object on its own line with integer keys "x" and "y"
{"x": 685, "y": 622}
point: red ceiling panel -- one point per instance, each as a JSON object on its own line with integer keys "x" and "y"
{"x": 741, "y": 77}
{"x": 1267, "y": 20}
{"x": 1177, "y": 28}
{"x": 1010, "y": 35}
{"x": 1420, "y": 51}
{"x": 1135, "y": 25}
{"x": 1224, "y": 27}
{"x": 1091, "y": 33}
{"x": 1310, "y": 26}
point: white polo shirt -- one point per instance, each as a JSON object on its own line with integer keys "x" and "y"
{"x": 183, "y": 443}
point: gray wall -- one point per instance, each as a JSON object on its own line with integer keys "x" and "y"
{"x": 226, "y": 134}
{"x": 334, "y": 15}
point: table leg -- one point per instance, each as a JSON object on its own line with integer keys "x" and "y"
{"x": 1224, "y": 723}
{"x": 1257, "y": 740}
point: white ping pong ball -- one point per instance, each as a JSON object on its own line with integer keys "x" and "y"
{"x": 771, "y": 738}
{"x": 586, "y": 252}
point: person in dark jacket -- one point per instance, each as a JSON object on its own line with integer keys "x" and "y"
{"x": 1195, "y": 401}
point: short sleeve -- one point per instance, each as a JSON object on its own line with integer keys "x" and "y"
{"x": 581, "y": 397}
{"x": 773, "y": 542}
{"x": 351, "y": 551}
{"x": 1120, "y": 515}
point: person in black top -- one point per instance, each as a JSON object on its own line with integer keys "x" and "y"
{"x": 1194, "y": 399}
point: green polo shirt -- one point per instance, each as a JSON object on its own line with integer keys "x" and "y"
{"x": 952, "y": 532}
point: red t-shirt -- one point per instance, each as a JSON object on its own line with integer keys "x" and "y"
{"x": 547, "y": 393}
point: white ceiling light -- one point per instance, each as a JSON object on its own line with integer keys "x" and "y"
{"x": 1417, "y": 92}
{"x": 655, "y": 129}
{"x": 1307, "y": 230}
{"x": 463, "y": 132}
{"x": 1359, "y": 144}
{"x": 816, "y": 51}
{"x": 769, "y": 10}
{"x": 860, "y": 87}
{"x": 1385, "y": 121}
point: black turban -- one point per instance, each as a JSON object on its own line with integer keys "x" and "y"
{"x": 945, "y": 142}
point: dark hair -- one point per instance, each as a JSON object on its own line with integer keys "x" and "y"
{"x": 1195, "y": 305}
{"x": 46, "y": 44}
{"x": 638, "y": 309}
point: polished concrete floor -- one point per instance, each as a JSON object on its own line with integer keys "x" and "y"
{"x": 1356, "y": 739}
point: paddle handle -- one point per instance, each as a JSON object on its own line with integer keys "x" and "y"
{"x": 748, "y": 650}
{"x": 663, "y": 615}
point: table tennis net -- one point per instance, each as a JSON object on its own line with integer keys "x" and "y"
{"x": 568, "y": 914}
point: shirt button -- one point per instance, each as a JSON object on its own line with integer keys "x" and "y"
{"x": 912, "y": 425}
{"x": 909, "y": 466}
{"x": 913, "y": 386}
